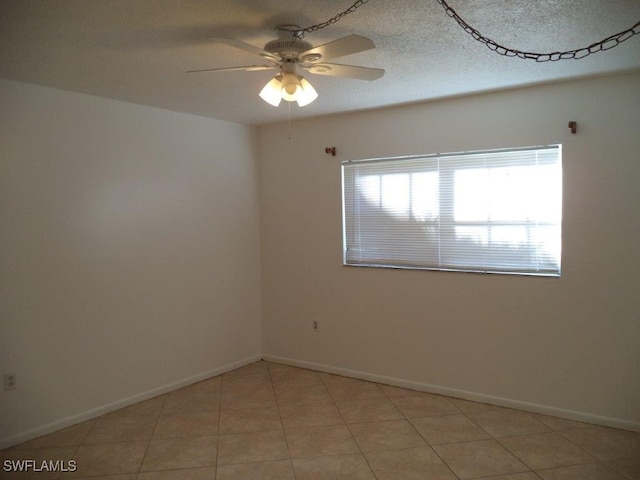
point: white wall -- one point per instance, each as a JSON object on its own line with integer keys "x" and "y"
{"x": 568, "y": 346}
{"x": 129, "y": 253}
{"x": 130, "y": 259}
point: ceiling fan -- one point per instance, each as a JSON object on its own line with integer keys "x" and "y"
{"x": 290, "y": 57}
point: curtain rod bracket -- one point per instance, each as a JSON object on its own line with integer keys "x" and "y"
{"x": 330, "y": 151}
{"x": 573, "y": 126}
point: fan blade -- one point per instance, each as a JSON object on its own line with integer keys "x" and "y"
{"x": 248, "y": 68}
{"x": 341, "y": 47}
{"x": 351, "y": 71}
{"x": 247, "y": 47}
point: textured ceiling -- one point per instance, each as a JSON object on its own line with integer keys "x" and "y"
{"x": 139, "y": 50}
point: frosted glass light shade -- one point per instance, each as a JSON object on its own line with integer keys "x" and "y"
{"x": 307, "y": 95}
{"x": 289, "y": 86}
{"x": 272, "y": 91}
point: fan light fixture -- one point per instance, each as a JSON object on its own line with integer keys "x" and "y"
{"x": 291, "y": 87}
{"x": 288, "y": 57}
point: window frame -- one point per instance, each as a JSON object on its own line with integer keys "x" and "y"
{"x": 440, "y": 165}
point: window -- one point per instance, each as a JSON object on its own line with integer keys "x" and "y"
{"x": 494, "y": 212}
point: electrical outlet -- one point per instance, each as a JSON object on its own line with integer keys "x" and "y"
{"x": 9, "y": 381}
{"x": 315, "y": 325}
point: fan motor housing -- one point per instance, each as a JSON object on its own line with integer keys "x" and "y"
{"x": 287, "y": 49}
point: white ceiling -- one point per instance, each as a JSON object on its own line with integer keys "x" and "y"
{"x": 139, "y": 50}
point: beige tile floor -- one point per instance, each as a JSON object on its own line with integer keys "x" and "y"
{"x": 270, "y": 421}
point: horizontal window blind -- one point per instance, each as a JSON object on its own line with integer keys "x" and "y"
{"x": 496, "y": 211}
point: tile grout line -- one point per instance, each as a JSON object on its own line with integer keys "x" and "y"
{"x": 146, "y": 450}
{"x": 77, "y": 447}
{"x": 424, "y": 439}
{"x": 350, "y": 431}
{"x": 497, "y": 440}
{"x": 576, "y": 445}
{"x": 219, "y": 424}
{"x": 284, "y": 433}
{"x": 349, "y": 428}
{"x": 595, "y": 460}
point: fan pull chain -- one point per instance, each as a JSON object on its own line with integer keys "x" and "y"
{"x": 289, "y": 123}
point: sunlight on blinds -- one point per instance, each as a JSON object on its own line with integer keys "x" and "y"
{"x": 496, "y": 211}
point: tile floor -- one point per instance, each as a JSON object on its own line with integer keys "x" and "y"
{"x": 270, "y": 421}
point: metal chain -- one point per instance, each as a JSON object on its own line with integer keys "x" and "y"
{"x": 299, "y": 32}
{"x": 604, "y": 44}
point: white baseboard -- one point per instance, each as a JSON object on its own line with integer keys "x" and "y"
{"x": 463, "y": 394}
{"x": 125, "y": 402}
{"x": 423, "y": 387}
